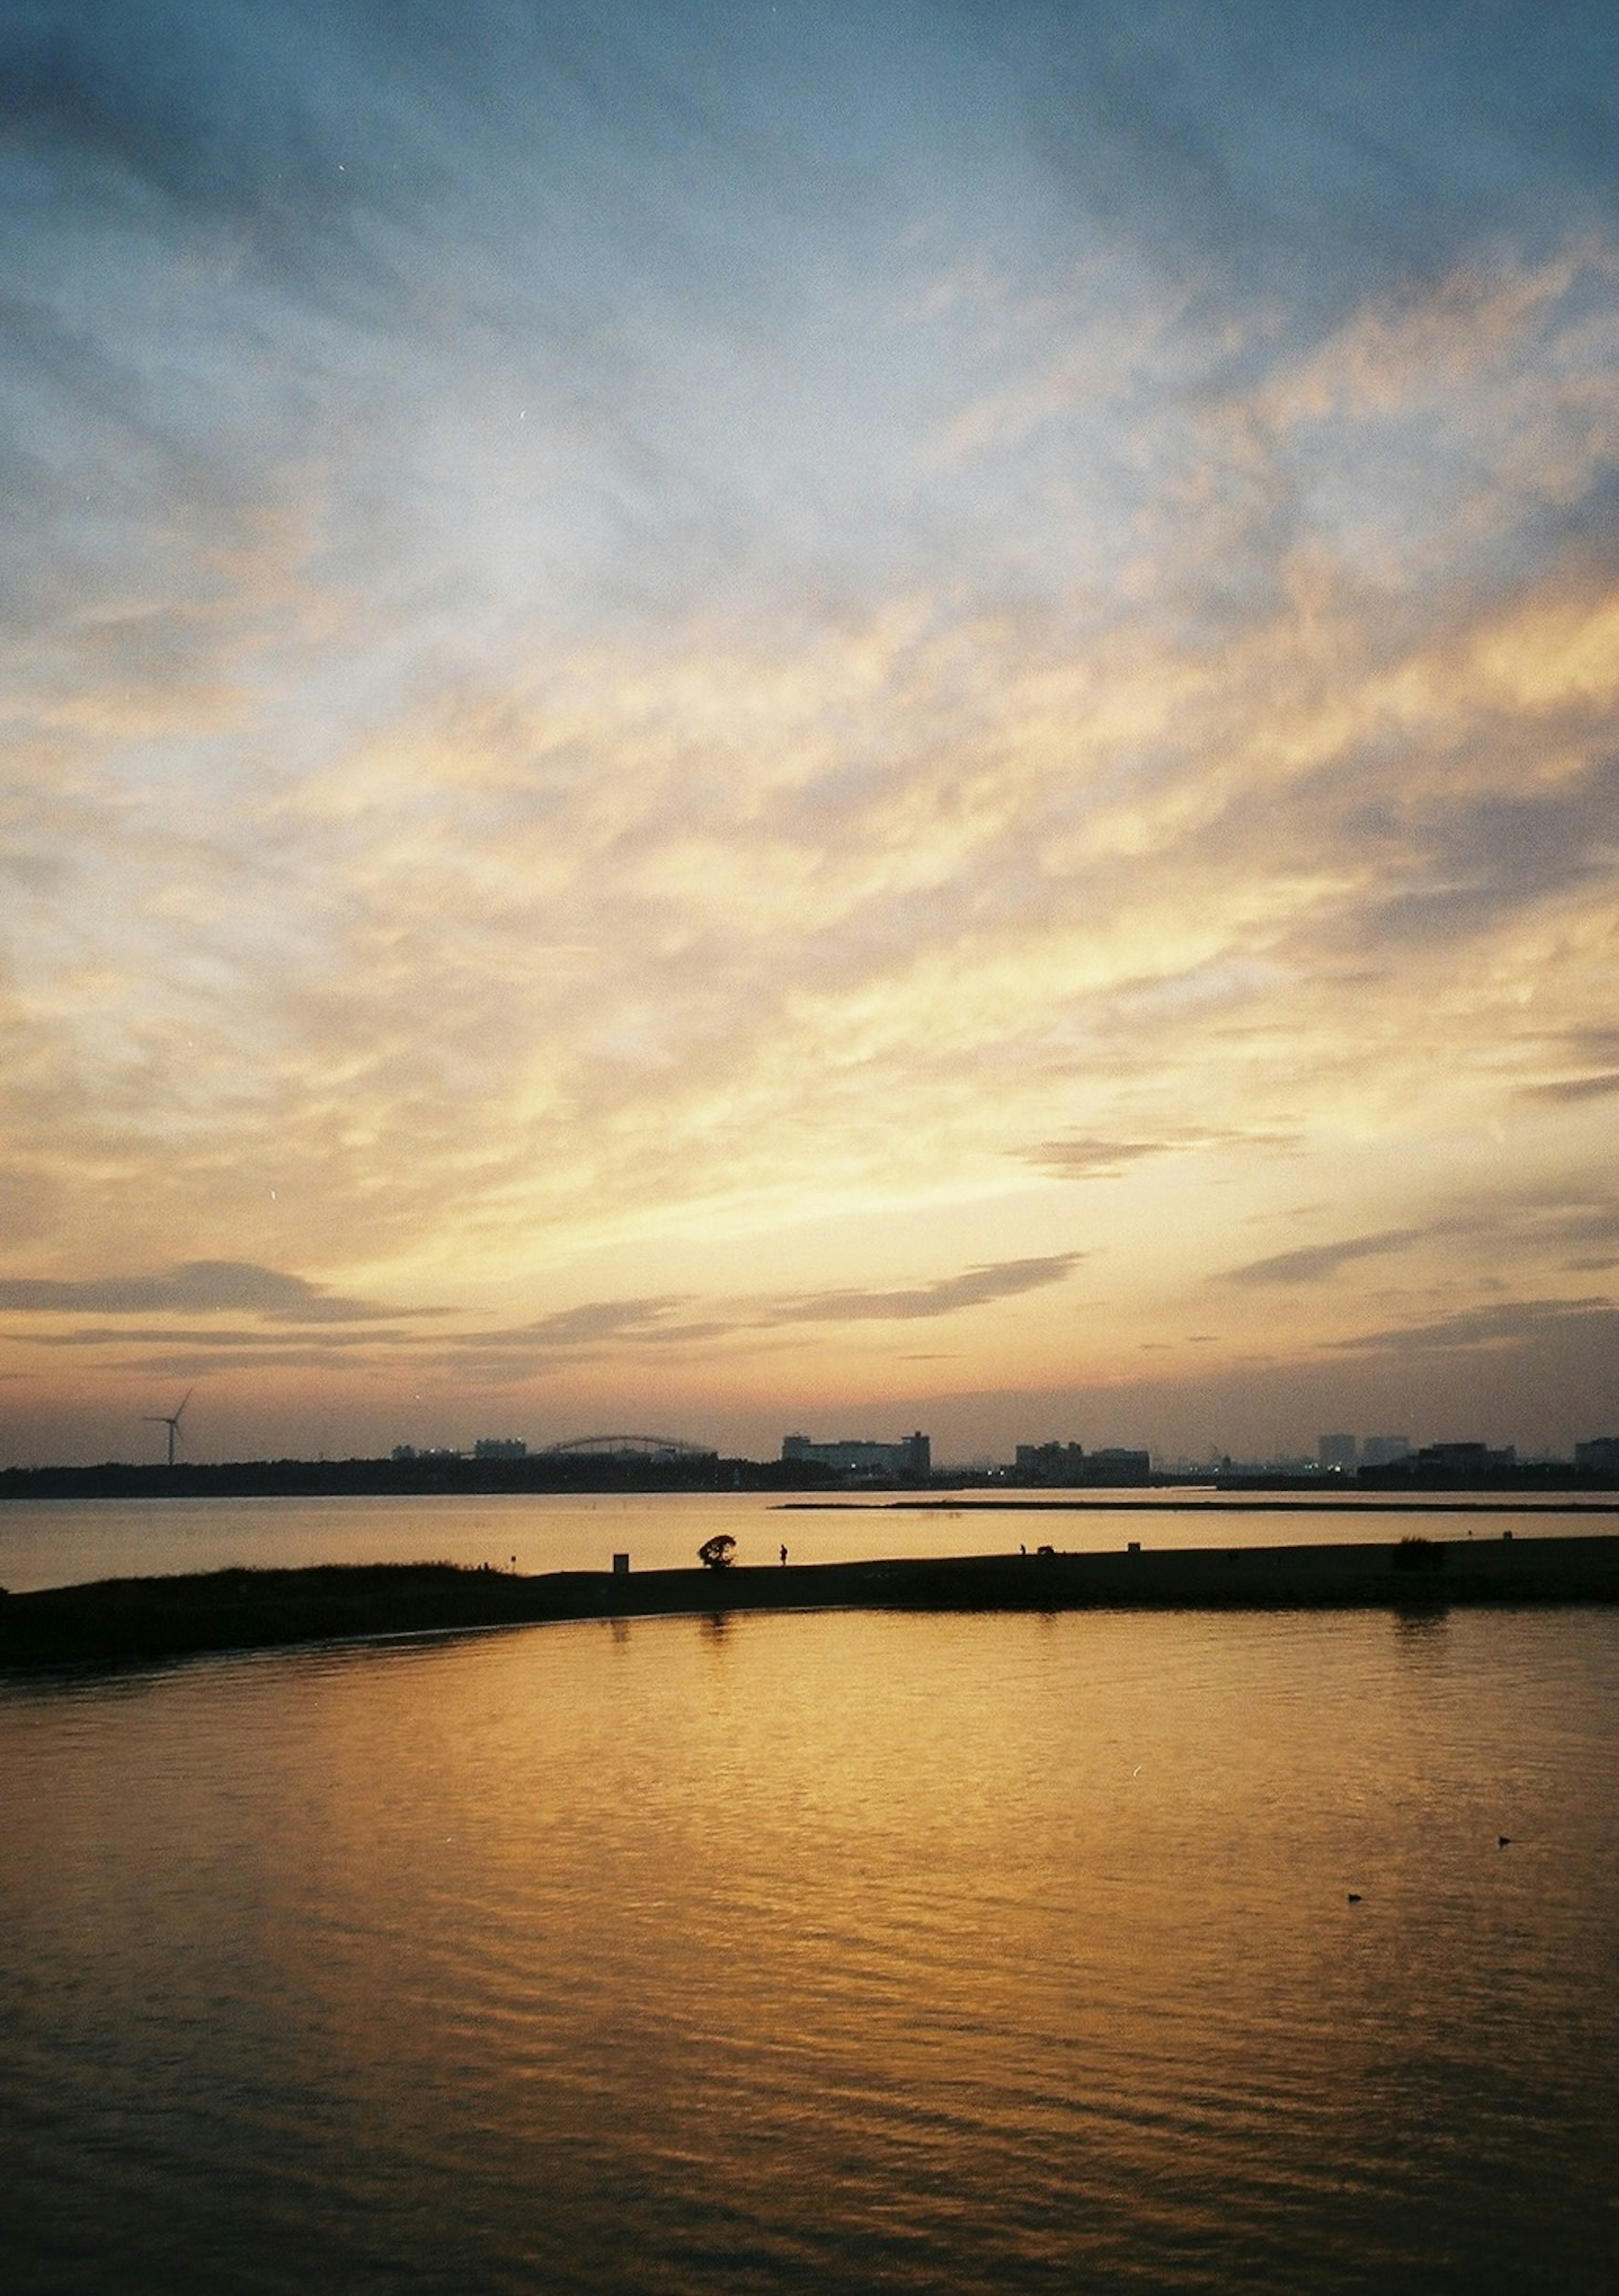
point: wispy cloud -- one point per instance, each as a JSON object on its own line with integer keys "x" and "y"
{"x": 1107, "y": 1159}
{"x": 1496, "y": 1232}
{"x": 1570, "y": 1090}
{"x": 945, "y": 1296}
{"x": 1506, "y": 1323}
{"x": 206, "y": 1286}
{"x": 599, "y": 1319}
{"x": 271, "y": 1342}
{"x": 1318, "y": 1263}
{"x": 1091, "y": 1160}
{"x": 590, "y": 1332}
{"x": 664, "y": 1321}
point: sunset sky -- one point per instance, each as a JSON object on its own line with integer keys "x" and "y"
{"x": 734, "y": 718}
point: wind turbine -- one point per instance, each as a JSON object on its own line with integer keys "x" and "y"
{"x": 169, "y": 1419}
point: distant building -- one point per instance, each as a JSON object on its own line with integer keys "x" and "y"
{"x": 1113, "y": 1466}
{"x": 1601, "y": 1455}
{"x": 1382, "y": 1450}
{"x": 500, "y": 1447}
{"x": 1464, "y": 1458}
{"x": 1336, "y": 1453}
{"x": 1055, "y": 1466}
{"x": 1063, "y": 1466}
{"x": 857, "y": 1461}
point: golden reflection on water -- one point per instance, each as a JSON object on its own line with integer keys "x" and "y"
{"x": 835, "y": 1949}
{"x": 55, "y": 1543}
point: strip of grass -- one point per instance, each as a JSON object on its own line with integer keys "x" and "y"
{"x": 129, "y": 1620}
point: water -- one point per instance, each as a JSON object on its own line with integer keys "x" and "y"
{"x": 55, "y": 1543}
{"x": 833, "y": 1951}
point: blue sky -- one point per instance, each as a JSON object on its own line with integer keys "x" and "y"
{"x": 748, "y": 715}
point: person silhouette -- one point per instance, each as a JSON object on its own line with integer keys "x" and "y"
{"x": 783, "y": 1558}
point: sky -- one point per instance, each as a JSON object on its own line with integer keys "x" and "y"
{"x": 723, "y": 718}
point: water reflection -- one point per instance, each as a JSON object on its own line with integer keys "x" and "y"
{"x": 991, "y": 1953}
{"x": 1420, "y": 1628}
{"x": 52, "y": 1543}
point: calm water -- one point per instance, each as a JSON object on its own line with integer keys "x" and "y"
{"x": 58, "y": 1543}
{"x": 821, "y": 1952}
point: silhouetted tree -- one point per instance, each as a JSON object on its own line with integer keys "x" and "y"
{"x": 1414, "y": 1553}
{"x": 718, "y": 1552}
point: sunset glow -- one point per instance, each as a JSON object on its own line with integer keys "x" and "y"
{"x": 723, "y": 720}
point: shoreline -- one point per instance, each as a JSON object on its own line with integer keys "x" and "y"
{"x": 132, "y": 1621}
{"x": 1506, "y": 1504}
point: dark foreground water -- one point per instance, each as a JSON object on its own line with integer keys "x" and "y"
{"x": 822, "y": 1952}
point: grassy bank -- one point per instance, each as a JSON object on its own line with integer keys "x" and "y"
{"x": 124, "y": 1621}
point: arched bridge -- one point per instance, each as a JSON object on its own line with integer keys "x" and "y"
{"x": 630, "y": 1446}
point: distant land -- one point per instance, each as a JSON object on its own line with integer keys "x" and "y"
{"x": 133, "y": 1620}
{"x": 427, "y": 1474}
{"x": 440, "y": 1475}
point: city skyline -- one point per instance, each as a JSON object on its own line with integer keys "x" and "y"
{"x": 750, "y": 719}
{"x": 1330, "y": 1453}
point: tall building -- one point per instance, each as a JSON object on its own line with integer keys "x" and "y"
{"x": 1052, "y": 1464}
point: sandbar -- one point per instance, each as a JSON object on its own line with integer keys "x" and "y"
{"x": 121, "y": 1621}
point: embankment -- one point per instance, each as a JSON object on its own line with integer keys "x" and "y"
{"x": 127, "y": 1620}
